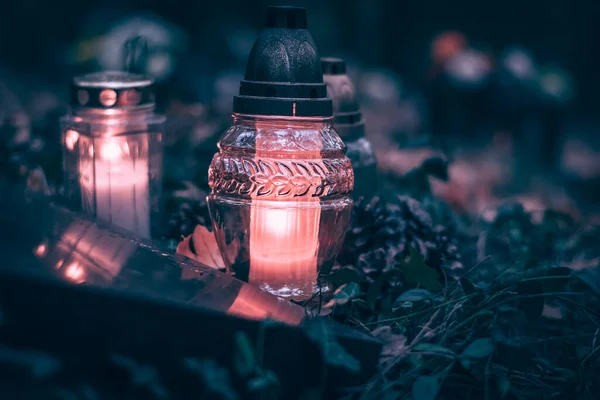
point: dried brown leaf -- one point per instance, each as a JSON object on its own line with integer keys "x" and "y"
{"x": 551, "y": 312}
{"x": 205, "y": 249}
{"x": 580, "y": 159}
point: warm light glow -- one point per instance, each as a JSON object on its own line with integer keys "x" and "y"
{"x": 447, "y": 45}
{"x": 112, "y": 162}
{"x": 110, "y": 151}
{"x": 41, "y": 250}
{"x": 75, "y": 272}
{"x": 91, "y": 251}
{"x": 71, "y": 138}
{"x": 278, "y": 222}
{"x": 116, "y": 182}
{"x": 284, "y": 245}
{"x": 59, "y": 263}
{"x": 284, "y": 238}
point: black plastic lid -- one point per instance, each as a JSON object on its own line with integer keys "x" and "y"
{"x": 286, "y": 17}
{"x": 283, "y": 73}
{"x": 124, "y": 90}
{"x": 112, "y": 90}
{"x": 348, "y": 119}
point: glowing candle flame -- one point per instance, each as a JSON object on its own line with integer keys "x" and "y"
{"x": 110, "y": 151}
{"x": 112, "y": 154}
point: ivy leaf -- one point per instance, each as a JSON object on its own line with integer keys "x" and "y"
{"x": 215, "y": 378}
{"x": 418, "y": 273}
{"x": 202, "y": 247}
{"x": 244, "y": 360}
{"x": 346, "y": 292}
{"x": 531, "y": 306}
{"x": 467, "y": 286}
{"x": 40, "y": 365}
{"x": 479, "y": 348}
{"x": 425, "y": 388}
{"x": 345, "y": 275}
{"x": 475, "y": 292}
{"x": 333, "y": 352}
{"x": 590, "y": 277}
{"x": 414, "y": 295}
{"x": 141, "y": 375}
{"x": 503, "y": 384}
{"x": 376, "y": 287}
{"x": 433, "y": 348}
{"x": 267, "y": 380}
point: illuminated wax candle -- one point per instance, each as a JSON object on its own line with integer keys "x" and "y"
{"x": 284, "y": 228}
{"x": 112, "y": 145}
{"x": 280, "y": 184}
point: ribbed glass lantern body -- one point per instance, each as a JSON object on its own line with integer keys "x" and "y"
{"x": 280, "y": 201}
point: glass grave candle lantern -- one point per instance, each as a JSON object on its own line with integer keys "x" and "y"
{"x": 280, "y": 183}
{"x": 349, "y": 124}
{"x": 112, "y": 143}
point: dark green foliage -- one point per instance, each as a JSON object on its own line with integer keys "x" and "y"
{"x": 518, "y": 321}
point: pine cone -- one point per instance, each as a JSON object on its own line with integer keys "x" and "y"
{"x": 368, "y": 218}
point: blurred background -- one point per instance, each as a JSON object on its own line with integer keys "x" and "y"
{"x": 44, "y": 37}
{"x": 514, "y": 82}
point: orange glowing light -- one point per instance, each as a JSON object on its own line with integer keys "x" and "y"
{"x": 284, "y": 236}
{"x": 110, "y": 151}
{"x": 71, "y": 138}
{"x": 75, "y": 272}
{"x": 41, "y": 250}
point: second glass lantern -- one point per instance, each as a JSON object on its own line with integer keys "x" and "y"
{"x": 113, "y": 152}
{"x": 280, "y": 183}
{"x": 350, "y": 125}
